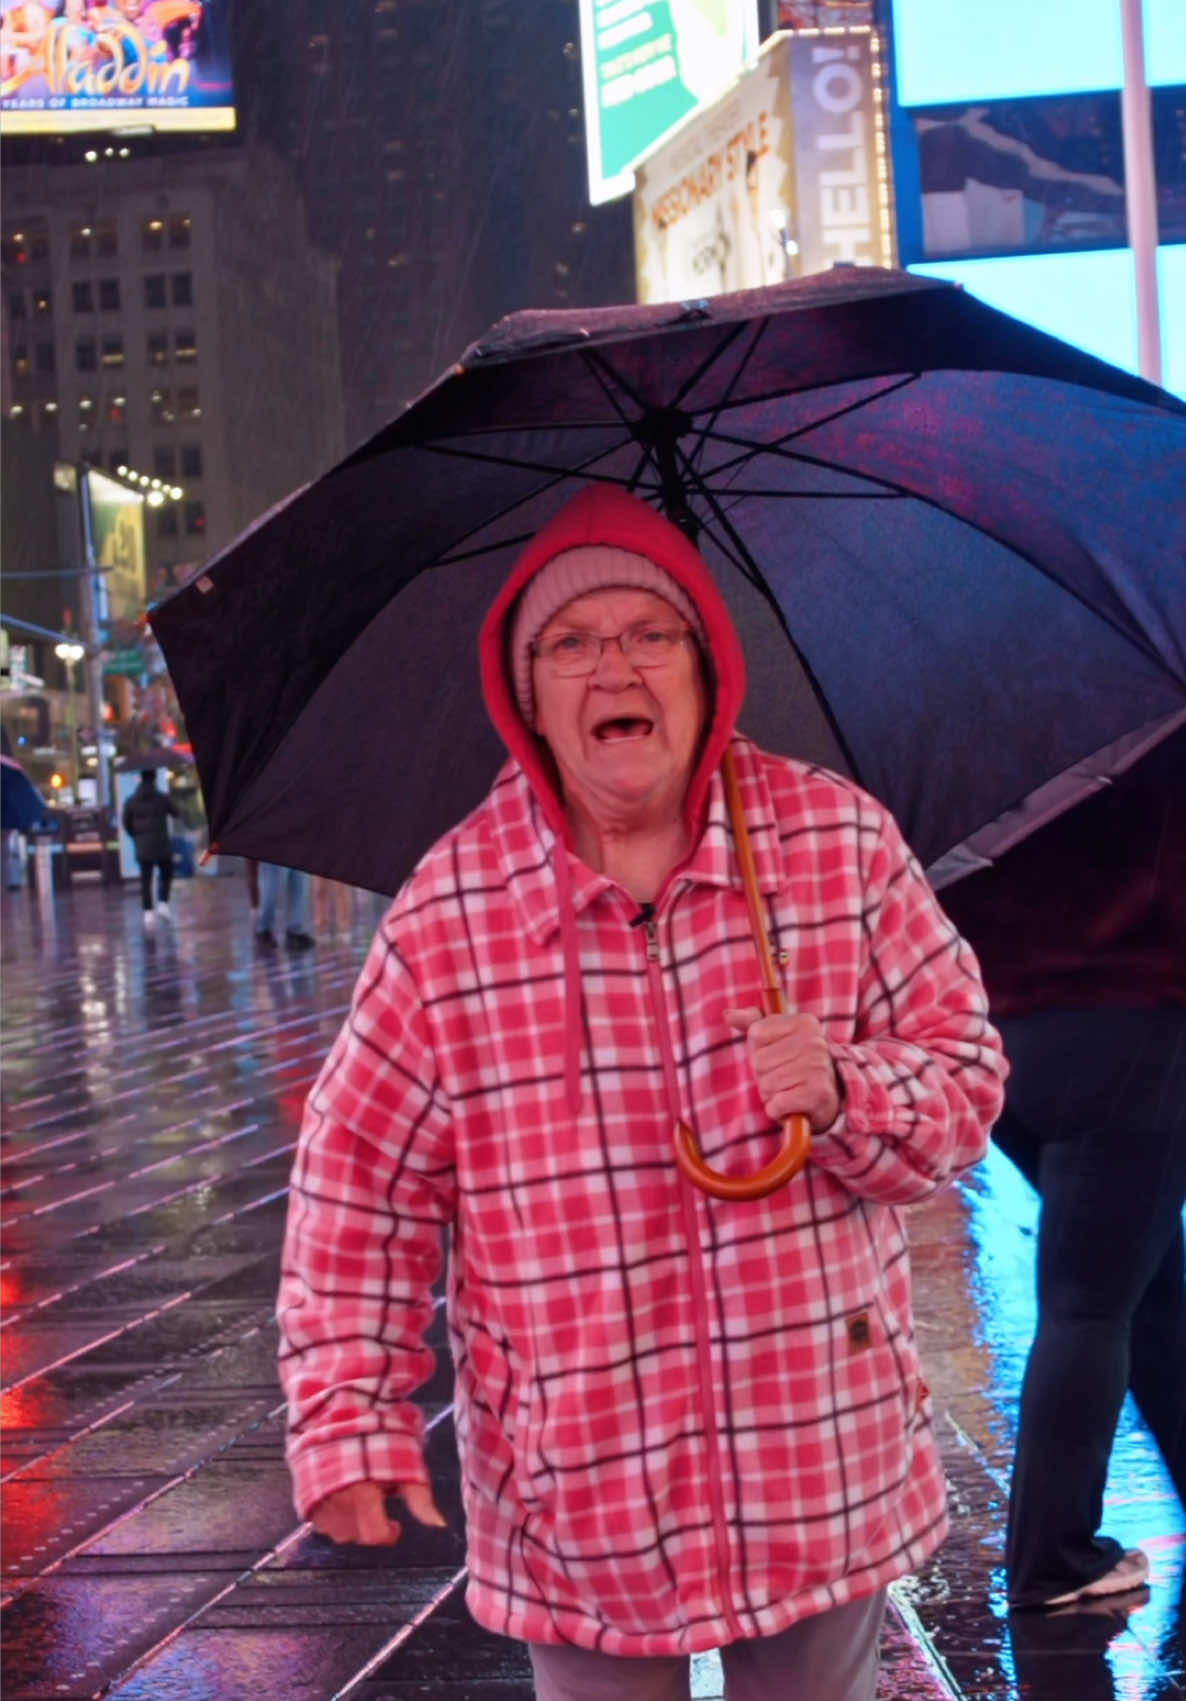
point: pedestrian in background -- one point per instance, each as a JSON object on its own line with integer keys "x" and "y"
{"x": 684, "y": 1422}
{"x": 146, "y": 818}
{"x": 333, "y": 906}
{"x": 1081, "y": 932}
{"x": 295, "y": 884}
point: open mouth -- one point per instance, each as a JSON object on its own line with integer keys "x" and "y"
{"x": 618, "y": 728}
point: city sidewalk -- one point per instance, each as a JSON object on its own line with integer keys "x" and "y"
{"x": 153, "y": 1090}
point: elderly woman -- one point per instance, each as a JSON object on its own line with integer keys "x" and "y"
{"x": 684, "y": 1422}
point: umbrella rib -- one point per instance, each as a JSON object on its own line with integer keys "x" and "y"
{"x": 899, "y": 382}
{"x": 706, "y": 431}
{"x": 758, "y": 580}
{"x": 893, "y": 490}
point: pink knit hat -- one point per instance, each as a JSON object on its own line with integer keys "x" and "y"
{"x": 574, "y": 573}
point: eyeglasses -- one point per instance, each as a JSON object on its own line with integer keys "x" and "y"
{"x": 645, "y": 645}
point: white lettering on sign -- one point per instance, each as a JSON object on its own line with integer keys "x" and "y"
{"x": 844, "y": 200}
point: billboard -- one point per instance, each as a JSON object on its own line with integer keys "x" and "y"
{"x": 646, "y": 66}
{"x": 74, "y": 65}
{"x": 785, "y": 174}
{"x": 113, "y": 515}
{"x": 1037, "y": 176}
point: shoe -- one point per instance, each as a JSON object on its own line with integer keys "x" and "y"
{"x": 165, "y": 911}
{"x": 266, "y": 939}
{"x": 1129, "y": 1572}
{"x": 298, "y": 941}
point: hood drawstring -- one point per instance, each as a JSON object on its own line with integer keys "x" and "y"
{"x": 573, "y": 1009}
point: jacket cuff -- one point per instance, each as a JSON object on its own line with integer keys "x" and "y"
{"x": 867, "y": 1105}
{"x": 321, "y": 1468}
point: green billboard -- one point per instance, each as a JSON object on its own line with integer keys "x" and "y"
{"x": 648, "y": 64}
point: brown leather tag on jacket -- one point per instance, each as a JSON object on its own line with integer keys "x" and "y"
{"x": 860, "y": 1335}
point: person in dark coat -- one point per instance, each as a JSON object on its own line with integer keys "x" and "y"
{"x": 146, "y": 819}
{"x": 1081, "y": 935}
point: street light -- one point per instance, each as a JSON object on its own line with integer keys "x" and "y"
{"x": 71, "y": 653}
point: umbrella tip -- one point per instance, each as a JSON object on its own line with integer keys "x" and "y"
{"x": 211, "y": 850}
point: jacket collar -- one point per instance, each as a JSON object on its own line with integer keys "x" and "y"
{"x": 526, "y": 844}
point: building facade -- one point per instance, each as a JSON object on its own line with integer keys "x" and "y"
{"x": 441, "y": 154}
{"x": 170, "y": 314}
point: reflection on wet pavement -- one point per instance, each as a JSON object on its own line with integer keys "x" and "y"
{"x": 153, "y": 1088}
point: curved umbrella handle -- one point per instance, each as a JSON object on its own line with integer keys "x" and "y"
{"x": 786, "y": 1163}
{"x": 796, "y": 1130}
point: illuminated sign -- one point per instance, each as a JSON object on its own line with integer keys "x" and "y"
{"x": 647, "y": 65}
{"x": 787, "y": 173}
{"x": 114, "y": 517}
{"x": 71, "y": 65}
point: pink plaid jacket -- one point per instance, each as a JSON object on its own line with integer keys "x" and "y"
{"x": 681, "y": 1421}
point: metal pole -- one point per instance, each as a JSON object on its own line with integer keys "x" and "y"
{"x": 72, "y": 723}
{"x": 88, "y": 617}
{"x": 1140, "y": 189}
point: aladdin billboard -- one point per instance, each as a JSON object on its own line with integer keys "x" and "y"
{"x": 72, "y": 65}
{"x": 786, "y": 174}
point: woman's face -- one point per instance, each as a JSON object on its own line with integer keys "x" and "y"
{"x": 624, "y": 737}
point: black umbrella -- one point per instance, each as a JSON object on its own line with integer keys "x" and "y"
{"x": 955, "y": 549}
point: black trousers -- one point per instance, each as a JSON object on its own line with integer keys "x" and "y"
{"x": 164, "y": 868}
{"x": 1096, "y": 1119}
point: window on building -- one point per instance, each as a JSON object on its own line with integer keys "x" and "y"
{"x": 116, "y": 410}
{"x": 86, "y": 412}
{"x": 82, "y": 239}
{"x": 166, "y": 520}
{"x": 16, "y": 304}
{"x": 113, "y": 349}
{"x": 195, "y": 518}
{"x": 154, "y": 289}
{"x": 38, "y": 243}
{"x": 43, "y": 304}
{"x": 188, "y": 402}
{"x": 49, "y": 415}
{"x": 20, "y": 360}
{"x": 20, "y": 413}
{"x": 12, "y": 248}
{"x": 179, "y": 230}
{"x": 160, "y": 403}
{"x": 164, "y": 461}
{"x": 185, "y": 347}
{"x": 117, "y": 458}
{"x": 84, "y": 296}
{"x": 43, "y": 358}
{"x": 183, "y": 289}
{"x": 106, "y": 239}
{"x": 191, "y": 460}
{"x": 158, "y": 348}
{"x": 86, "y": 355}
{"x": 109, "y": 295}
{"x": 152, "y": 236}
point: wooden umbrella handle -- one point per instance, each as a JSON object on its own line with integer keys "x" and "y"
{"x": 796, "y": 1130}
{"x": 783, "y": 1167}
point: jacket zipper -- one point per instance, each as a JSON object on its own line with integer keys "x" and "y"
{"x": 699, "y": 1285}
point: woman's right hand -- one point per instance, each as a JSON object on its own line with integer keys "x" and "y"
{"x": 357, "y": 1513}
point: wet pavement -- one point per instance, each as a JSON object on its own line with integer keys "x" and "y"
{"x": 153, "y": 1090}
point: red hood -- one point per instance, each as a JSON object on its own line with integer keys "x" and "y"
{"x": 605, "y": 514}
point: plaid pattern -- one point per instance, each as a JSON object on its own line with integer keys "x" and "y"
{"x": 681, "y": 1421}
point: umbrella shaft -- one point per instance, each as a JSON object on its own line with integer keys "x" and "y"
{"x": 771, "y": 985}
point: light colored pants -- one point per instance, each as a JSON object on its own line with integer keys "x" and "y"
{"x": 831, "y": 1657}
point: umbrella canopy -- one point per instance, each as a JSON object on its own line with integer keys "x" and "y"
{"x": 954, "y": 547}
{"x": 21, "y": 804}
